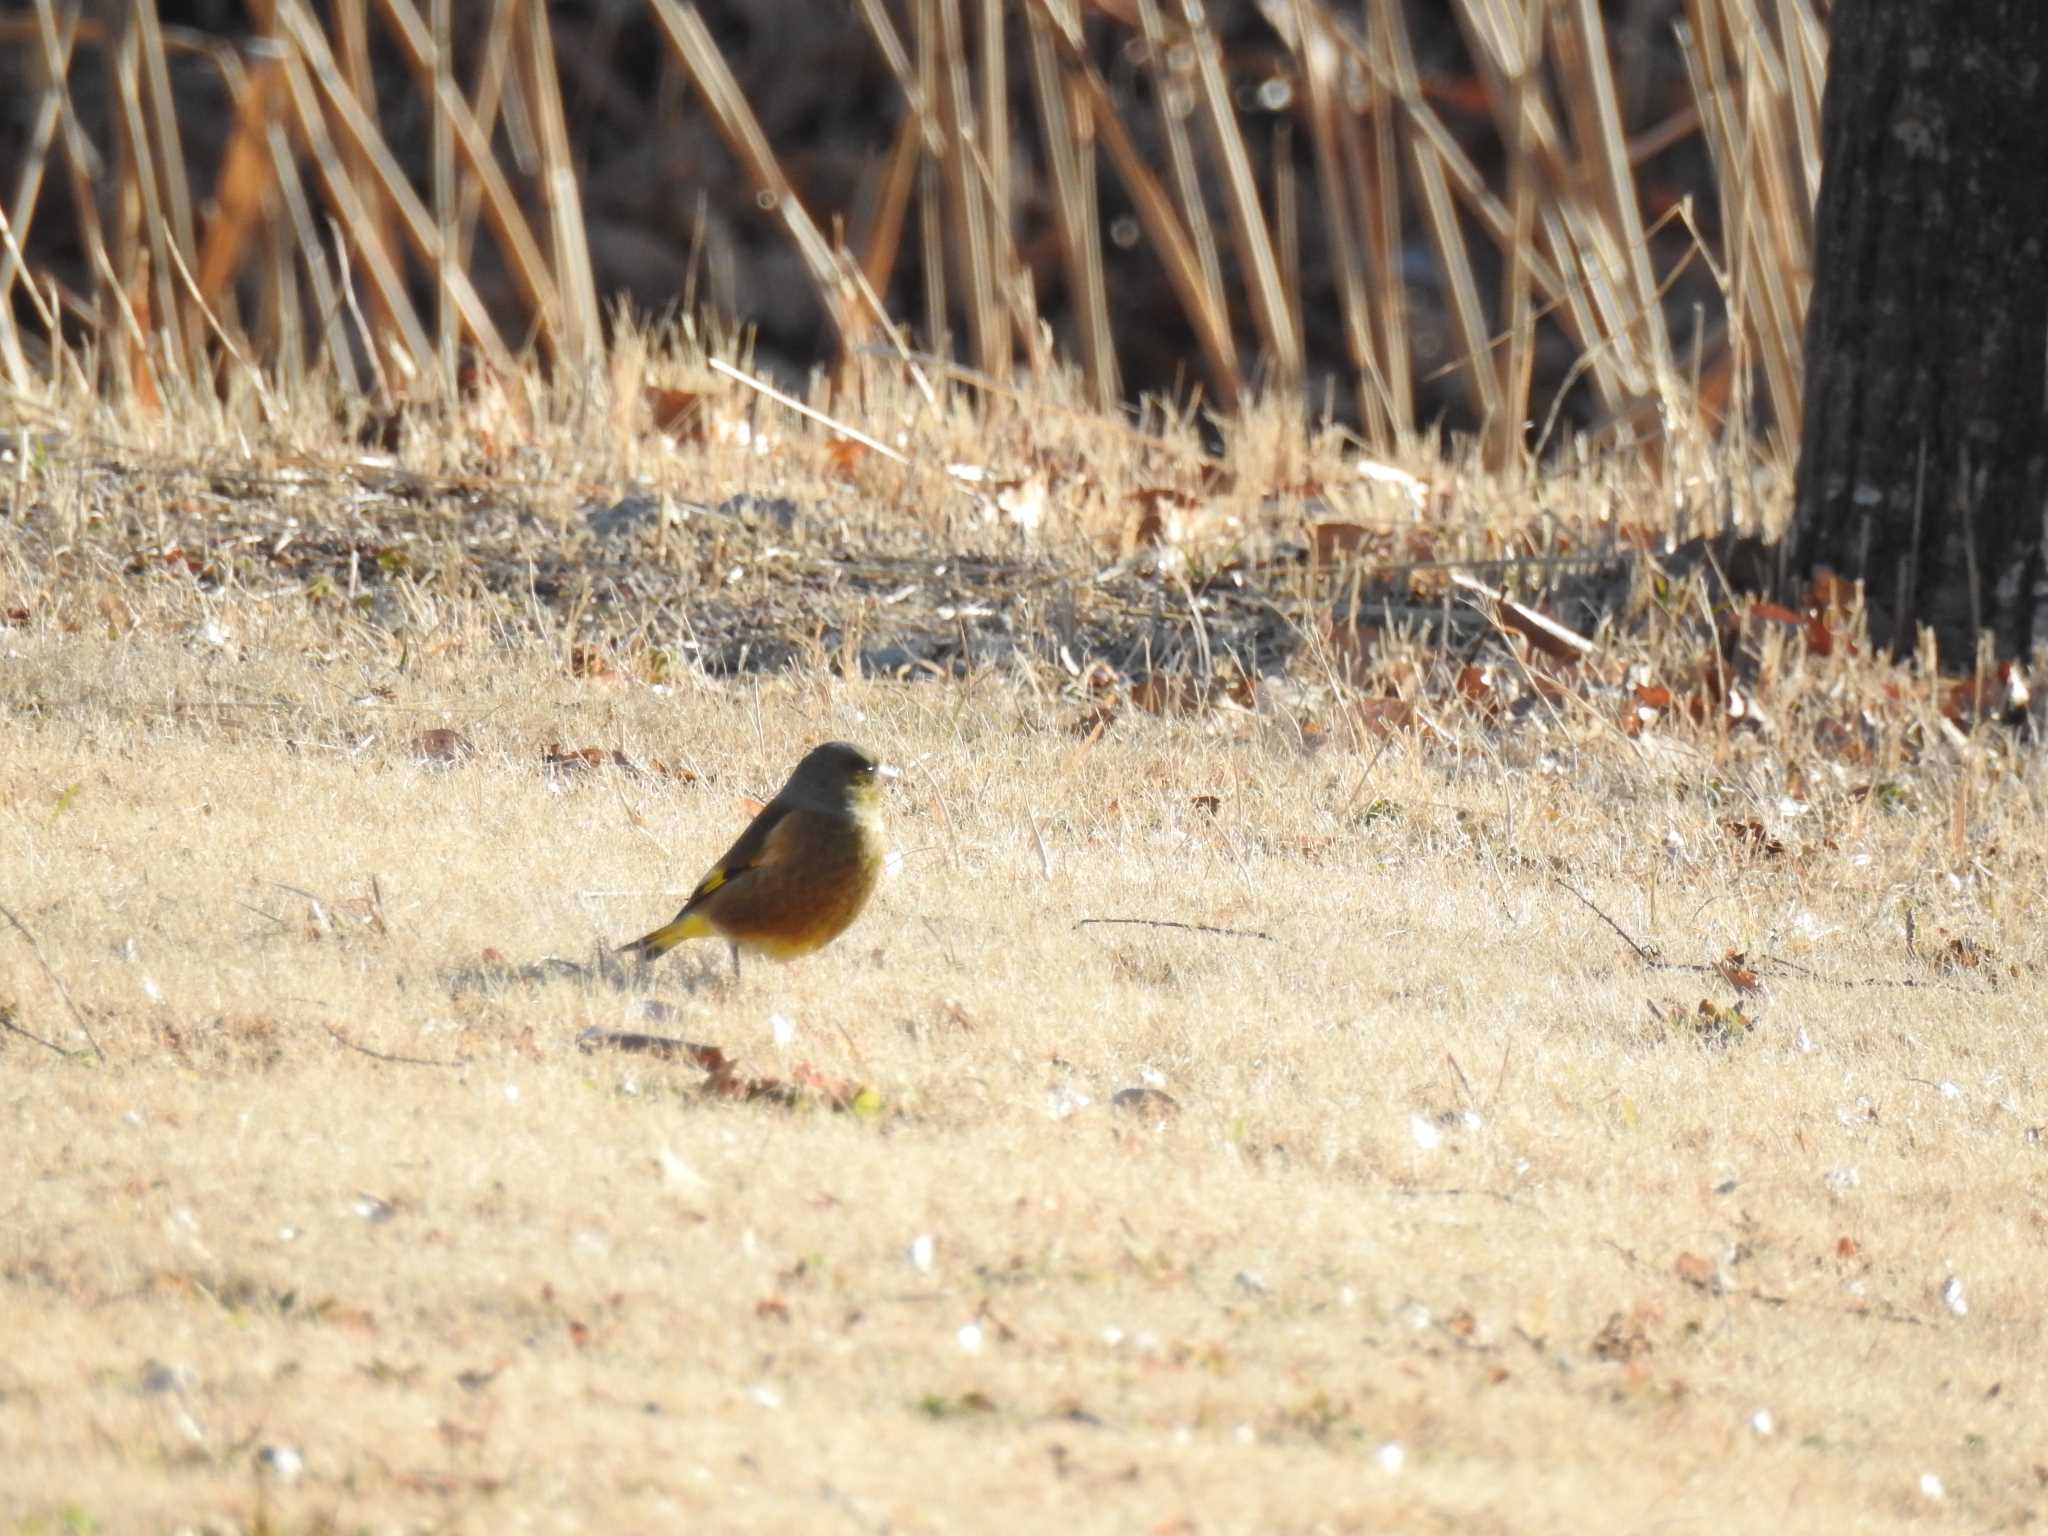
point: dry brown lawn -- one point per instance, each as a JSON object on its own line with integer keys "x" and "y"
{"x": 1461, "y": 1216}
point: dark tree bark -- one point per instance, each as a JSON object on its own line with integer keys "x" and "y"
{"x": 1923, "y": 466}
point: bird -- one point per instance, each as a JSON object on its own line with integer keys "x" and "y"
{"x": 800, "y": 873}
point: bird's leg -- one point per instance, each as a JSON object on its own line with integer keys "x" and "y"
{"x": 735, "y": 964}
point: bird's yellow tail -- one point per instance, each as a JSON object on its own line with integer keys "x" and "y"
{"x": 652, "y": 946}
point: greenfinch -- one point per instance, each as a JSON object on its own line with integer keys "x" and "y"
{"x": 800, "y": 873}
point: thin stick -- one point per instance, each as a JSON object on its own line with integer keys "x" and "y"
{"x": 1161, "y": 922}
{"x": 719, "y": 365}
{"x": 7, "y": 1023}
{"x": 1647, "y": 956}
{"x": 396, "y": 1061}
{"x": 56, "y": 981}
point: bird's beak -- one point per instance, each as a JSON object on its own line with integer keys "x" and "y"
{"x": 888, "y": 771}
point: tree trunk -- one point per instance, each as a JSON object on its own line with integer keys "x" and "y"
{"x": 1923, "y": 466}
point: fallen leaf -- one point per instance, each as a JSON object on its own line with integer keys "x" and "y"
{"x": 678, "y": 412}
{"x": 1384, "y": 716}
{"x": 1753, "y": 836}
{"x": 588, "y": 661}
{"x": 1697, "y": 1272}
{"x": 1330, "y": 542}
{"x": 1622, "y": 1338}
{"x": 442, "y": 745}
{"x": 1148, "y": 1103}
{"x": 843, "y": 456}
{"x": 559, "y": 759}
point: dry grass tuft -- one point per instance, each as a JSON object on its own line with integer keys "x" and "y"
{"x": 1448, "y": 1203}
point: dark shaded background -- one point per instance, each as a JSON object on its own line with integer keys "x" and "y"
{"x": 657, "y": 179}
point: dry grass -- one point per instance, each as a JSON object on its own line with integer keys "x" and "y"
{"x": 1473, "y": 1213}
{"x": 1466, "y": 1219}
{"x": 307, "y": 242}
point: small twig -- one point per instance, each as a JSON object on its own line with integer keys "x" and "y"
{"x": 1038, "y": 838}
{"x": 1917, "y": 982}
{"x": 1650, "y": 957}
{"x": 1854, "y": 981}
{"x": 661, "y": 1047}
{"x": 1161, "y": 922}
{"x": 1458, "y": 1192}
{"x": 1502, "y": 1076}
{"x": 790, "y": 402}
{"x": 1525, "y": 619}
{"x": 396, "y": 1061}
{"x": 1647, "y": 956}
{"x": 1464, "y": 1086}
{"x": 1365, "y": 773}
{"x": 55, "y": 981}
{"x": 7, "y": 1023}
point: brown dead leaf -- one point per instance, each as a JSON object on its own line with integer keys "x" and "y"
{"x": 1624, "y": 1338}
{"x": 1147, "y": 1103}
{"x": 1331, "y": 542}
{"x": 1161, "y": 517}
{"x": 1715, "y": 1025}
{"x": 1170, "y": 693}
{"x": 560, "y": 759}
{"x": 442, "y": 745}
{"x": 1645, "y": 704}
{"x": 662, "y": 1047}
{"x": 2001, "y": 694}
{"x": 1351, "y": 646}
{"x": 1960, "y": 953}
{"x": 588, "y": 661}
{"x": 1096, "y": 719}
{"x": 678, "y": 412}
{"x": 1480, "y": 686}
{"x": 1735, "y": 970}
{"x": 843, "y": 456}
{"x": 1384, "y": 716}
{"x": 1820, "y": 640}
{"x": 1752, "y": 836}
{"x": 1701, "y": 1274}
